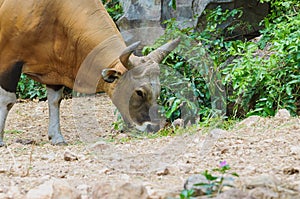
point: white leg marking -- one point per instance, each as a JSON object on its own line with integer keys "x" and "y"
{"x": 6, "y": 98}
{"x": 54, "y": 98}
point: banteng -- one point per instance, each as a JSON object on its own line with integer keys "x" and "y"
{"x": 75, "y": 44}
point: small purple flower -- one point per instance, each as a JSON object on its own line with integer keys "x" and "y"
{"x": 223, "y": 163}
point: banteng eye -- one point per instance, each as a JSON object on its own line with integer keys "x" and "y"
{"x": 140, "y": 93}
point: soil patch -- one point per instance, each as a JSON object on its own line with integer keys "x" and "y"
{"x": 97, "y": 155}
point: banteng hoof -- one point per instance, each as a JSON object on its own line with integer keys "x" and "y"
{"x": 2, "y": 144}
{"x": 60, "y": 143}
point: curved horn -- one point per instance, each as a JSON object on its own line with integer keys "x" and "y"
{"x": 124, "y": 57}
{"x": 160, "y": 53}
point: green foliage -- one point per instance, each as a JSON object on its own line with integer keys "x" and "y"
{"x": 114, "y": 8}
{"x": 187, "y": 194}
{"x": 215, "y": 183}
{"x": 30, "y": 89}
{"x": 264, "y": 83}
{"x": 260, "y": 77}
{"x": 172, "y": 4}
{"x": 197, "y": 62}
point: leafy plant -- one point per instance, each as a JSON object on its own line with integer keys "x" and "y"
{"x": 172, "y": 4}
{"x": 187, "y": 194}
{"x": 114, "y": 8}
{"x": 265, "y": 75}
{"x": 30, "y": 89}
{"x": 244, "y": 77}
{"x": 195, "y": 87}
{"x": 215, "y": 183}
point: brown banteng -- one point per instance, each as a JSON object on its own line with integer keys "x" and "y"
{"x": 75, "y": 43}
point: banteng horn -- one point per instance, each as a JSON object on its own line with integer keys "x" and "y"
{"x": 160, "y": 53}
{"x": 124, "y": 57}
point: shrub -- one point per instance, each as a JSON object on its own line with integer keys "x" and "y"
{"x": 270, "y": 80}
{"x": 198, "y": 60}
{"x": 114, "y": 8}
{"x": 259, "y": 77}
{"x": 30, "y": 89}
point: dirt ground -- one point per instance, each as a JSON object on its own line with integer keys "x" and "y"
{"x": 254, "y": 147}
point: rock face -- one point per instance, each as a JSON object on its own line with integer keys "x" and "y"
{"x": 142, "y": 19}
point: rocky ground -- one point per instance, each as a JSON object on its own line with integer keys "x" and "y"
{"x": 101, "y": 163}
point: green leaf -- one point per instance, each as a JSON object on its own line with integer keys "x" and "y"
{"x": 208, "y": 176}
{"x": 172, "y": 4}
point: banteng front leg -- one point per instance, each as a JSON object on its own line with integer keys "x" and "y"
{"x": 8, "y": 86}
{"x": 7, "y": 99}
{"x": 54, "y": 94}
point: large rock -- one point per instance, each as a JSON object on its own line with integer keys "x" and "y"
{"x": 196, "y": 179}
{"x": 53, "y": 189}
{"x": 234, "y": 194}
{"x": 253, "y": 13}
{"x": 124, "y": 191}
{"x": 142, "y": 19}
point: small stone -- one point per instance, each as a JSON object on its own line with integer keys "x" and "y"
{"x": 132, "y": 191}
{"x": 178, "y": 123}
{"x": 295, "y": 150}
{"x": 282, "y": 114}
{"x": 250, "y": 121}
{"x": 25, "y": 141}
{"x": 196, "y": 179}
{"x": 105, "y": 170}
{"x": 165, "y": 171}
{"x": 84, "y": 189}
{"x": 50, "y": 156}
{"x": 61, "y": 189}
{"x": 264, "y": 192}
{"x": 264, "y": 180}
{"x": 69, "y": 156}
{"x": 100, "y": 146}
{"x": 44, "y": 191}
{"x": 290, "y": 171}
{"x": 14, "y": 193}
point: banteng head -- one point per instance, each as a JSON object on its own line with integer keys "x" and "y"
{"x": 136, "y": 91}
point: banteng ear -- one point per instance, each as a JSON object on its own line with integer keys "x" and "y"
{"x": 110, "y": 75}
{"x": 124, "y": 57}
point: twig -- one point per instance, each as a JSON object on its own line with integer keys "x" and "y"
{"x": 13, "y": 157}
{"x": 30, "y": 161}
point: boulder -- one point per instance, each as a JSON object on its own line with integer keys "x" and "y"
{"x": 282, "y": 114}
{"x": 196, "y": 179}
{"x": 53, "y": 189}
{"x": 125, "y": 191}
{"x": 234, "y": 194}
{"x": 143, "y": 19}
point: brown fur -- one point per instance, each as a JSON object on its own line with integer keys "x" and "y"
{"x": 53, "y": 37}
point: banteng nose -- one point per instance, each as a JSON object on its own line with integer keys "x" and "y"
{"x": 152, "y": 128}
{"x": 155, "y": 119}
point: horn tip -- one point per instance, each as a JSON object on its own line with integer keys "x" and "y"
{"x": 136, "y": 44}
